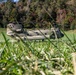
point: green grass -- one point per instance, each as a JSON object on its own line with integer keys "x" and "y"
{"x": 32, "y": 58}
{"x": 3, "y": 30}
{"x": 71, "y": 35}
{"x": 36, "y": 57}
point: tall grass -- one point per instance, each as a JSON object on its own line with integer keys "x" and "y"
{"x": 35, "y": 57}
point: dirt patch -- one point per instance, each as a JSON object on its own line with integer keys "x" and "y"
{"x": 71, "y": 31}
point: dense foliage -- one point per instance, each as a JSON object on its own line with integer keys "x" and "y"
{"x": 38, "y": 13}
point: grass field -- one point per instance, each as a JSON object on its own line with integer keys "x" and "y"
{"x": 71, "y": 35}
{"x": 2, "y": 30}
{"x": 37, "y": 57}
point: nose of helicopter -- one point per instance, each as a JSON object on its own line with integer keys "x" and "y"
{"x": 56, "y": 33}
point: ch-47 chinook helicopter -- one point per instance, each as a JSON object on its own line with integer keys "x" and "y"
{"x": 17, "y": 30}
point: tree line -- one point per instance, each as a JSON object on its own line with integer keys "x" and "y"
{"x": 39, "y": 13}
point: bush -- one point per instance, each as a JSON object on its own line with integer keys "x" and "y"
{"x": 73, "y": 24}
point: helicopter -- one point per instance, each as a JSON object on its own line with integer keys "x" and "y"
{"x": 17, "y": 31}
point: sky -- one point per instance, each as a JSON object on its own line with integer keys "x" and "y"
{"x": 6, "y": 0}
{"x": 16, "y": 0}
